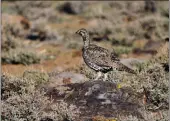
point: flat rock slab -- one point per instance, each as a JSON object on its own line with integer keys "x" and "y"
{"x": 66, "y": 78}
{"x": 56, "y": 83}
{"x": 101, "y": 98}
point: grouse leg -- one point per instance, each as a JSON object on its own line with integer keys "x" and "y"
{"x": 105, "y": 77}
{"x": 99, "y": 74}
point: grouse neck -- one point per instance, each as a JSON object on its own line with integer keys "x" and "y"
{"x": 86, "y": 41}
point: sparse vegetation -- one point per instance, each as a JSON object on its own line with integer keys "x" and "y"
{"x": 21, "y": 100}
{"x": 122, "y": 50}
{"x": 18, "y": 56}
{"x": 41, "y": 31}
{"x": 124, "y": 26}
{"x": 38, "y": 77}
{"x": 8, "y": 37}
{"x": 12, "y": 47}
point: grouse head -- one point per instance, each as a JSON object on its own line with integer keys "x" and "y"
{"x": 82, "y": 32}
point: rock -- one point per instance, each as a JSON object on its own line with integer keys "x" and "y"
{"x": 56, "y": 84}
{"x": 67, "y": 77}
{"x": 100, "y": 98}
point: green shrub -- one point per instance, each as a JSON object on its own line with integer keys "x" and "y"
{"x": 8, "y": 37}
{"x": 19, "y": 56}
{"x": 122, "y": 50}
{"x": 38, "y": 77}
{"x": 153, "y": 80}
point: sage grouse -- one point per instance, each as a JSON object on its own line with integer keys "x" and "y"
{"x": 100, "y": 59}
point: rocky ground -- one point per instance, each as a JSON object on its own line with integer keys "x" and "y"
{"x": 44, "y": 77}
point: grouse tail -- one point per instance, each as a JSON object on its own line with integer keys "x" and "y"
{"x": 122, "y": 67}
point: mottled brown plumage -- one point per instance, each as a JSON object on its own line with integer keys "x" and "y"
{"x": 98, "y": 58}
